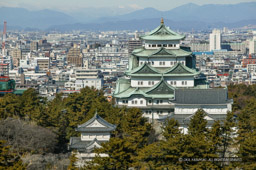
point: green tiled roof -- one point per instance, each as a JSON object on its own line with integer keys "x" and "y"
{"x": 161, "y": 88}
{"x": 145, "y": 69}
{"x": 162, "y": 33}
{"x": 179, "y": 68}
{"x": 162, "y": 52}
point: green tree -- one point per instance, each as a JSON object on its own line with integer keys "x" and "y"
{"x": 197, "y": 144}
{"x": 10, "y": 106}
{"x": 165, "y": 153}
{"x": 72, "y": 163}
{"x": 9, "y": 160}
{"x": 124, "y": 148}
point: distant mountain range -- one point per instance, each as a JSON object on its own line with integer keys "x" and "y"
{"x": 184, "y": 17}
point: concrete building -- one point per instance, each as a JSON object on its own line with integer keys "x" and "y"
{"x": 252, "y": 44}
{"x": 43, "y": 63}
{"x": 34, "y": 46}
{"x": 79, "y": 84}
{"x": 134, "y": 43}
{"x": 215, "y": 40}
{"x": 75, "y": 56}
{"x": 16, "y": 56}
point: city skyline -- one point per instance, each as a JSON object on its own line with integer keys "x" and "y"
{"x": 69, "y": 6}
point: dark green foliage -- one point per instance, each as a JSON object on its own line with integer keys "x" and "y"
{"x": 8, "y": 159}
{"x": 130, "y": 145}
{"x": 72, "y": 160}
{"x": 125, "y": 147}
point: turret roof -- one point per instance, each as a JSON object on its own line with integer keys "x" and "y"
{"x": 162, "y": 52}
{"x": 162, "y": 33}
{"x": 104, "y": 125}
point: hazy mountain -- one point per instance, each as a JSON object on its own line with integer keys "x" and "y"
{"x": 184, "y": 17}
{"x": 34, "y": 19}
{"x": 149, "y": 24}
{"x": 86, "y": 15}
{"x": 191, "y": 12}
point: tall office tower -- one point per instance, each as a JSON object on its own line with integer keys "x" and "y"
{"x": 215, "y": 40}
{"x": 75, "y": 56}
{"x": 134, "y": 43}
{"x": 34, "y": 46}
{"x": 252, "y": 44}
{"x": 16, "y": 56}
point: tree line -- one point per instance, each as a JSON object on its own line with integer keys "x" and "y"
{"x": 134, "y": 143}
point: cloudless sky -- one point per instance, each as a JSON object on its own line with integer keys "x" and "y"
{"x": 71, "y": 5}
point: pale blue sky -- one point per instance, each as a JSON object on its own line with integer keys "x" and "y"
{"x": 70, "y": 5}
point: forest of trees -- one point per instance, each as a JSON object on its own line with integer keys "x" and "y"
{"x": 34, "y": 134}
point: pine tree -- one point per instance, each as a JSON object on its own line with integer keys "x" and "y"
{"x": 171, "y": 129}
{"x": 9, "y": 160}
{"x": 72, "y": 162}
{"x": 197, "y": 144}
{"x": 124, "y": 148}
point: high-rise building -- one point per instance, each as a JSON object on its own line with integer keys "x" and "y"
{"x": 16, "y": 56}
{"x": 215, "y": 40}
{"x": 34, "y": 46}
{"x": 252, "y": 44}
{"x": 162, "y": 81}
{"x": 134, "y": 43}
{"x": 75, "y": 56}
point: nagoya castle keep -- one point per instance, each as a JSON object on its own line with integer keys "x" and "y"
{"x": 163, "y": 82}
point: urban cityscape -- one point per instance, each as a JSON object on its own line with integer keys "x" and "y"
{"x": 161, "y": 97}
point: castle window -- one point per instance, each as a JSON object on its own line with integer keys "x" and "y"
{"x": 136, "y": 102}
{"x": 171, "y": 63}
{"x": 185, "y": 82}
{"x": 157, "y": 112}
{"x": 152, "y": 62}
{"x": 149, "y": 101}
{"x": 154, "y": 45}
{"x": 163, "y": 63}
{"x": 146, "y": 112}
{"x": 160, "y": 63}
{"x": 149, "y": 45}
{"x": 165, "y": 45}
{"x": 174, "y": 82}
{"x": 171, "y": 45}
{"x": 182, "y": 82}
{"x": 161, "y": 101}
{"x": 141, "y": 63}
{"x": 153, "y": 82}
{"x": 157, "y": 102}
{"x": 149, "y": 83}
{"x": 174, "y": 45}
{"x": 132, "y": 102}
{"x": 159, "y": 45}
{"x": 141, "y": 102}
{"x": 161, "y": 112}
